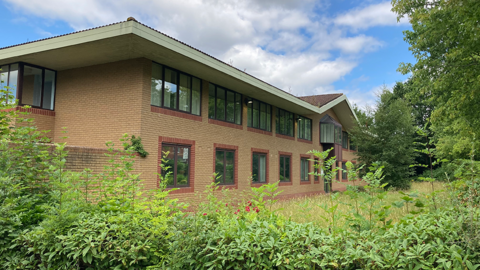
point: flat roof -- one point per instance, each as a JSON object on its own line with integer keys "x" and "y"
{"x": 131, "y": 39}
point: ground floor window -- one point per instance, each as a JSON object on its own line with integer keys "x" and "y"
{"x": 315, "y": 169}
{"x": 177, "y": 165}
{"x": 225, "y": 166}
{"x": 304, "y": 170}
{"x": 259, "y": 168}
{"x": 344, "y": 170}
{"x": 285, "y": 168}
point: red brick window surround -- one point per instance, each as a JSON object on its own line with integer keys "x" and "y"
{"x": 225, "y": 148}
{"x": 257, "y": 155}
{"x": 285, "y": 168}
{"x": 191, "y": 174}
{"x": 175, "y": 113}
{"x": 305, "y": 169}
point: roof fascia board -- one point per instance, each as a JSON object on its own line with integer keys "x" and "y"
{"x": 187, "y": 51}
{"x": 335, "y": 102}
{"x": 68, "y": 40}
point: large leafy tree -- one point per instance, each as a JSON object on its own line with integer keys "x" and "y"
{"x": 445, "y": 40}
{"x": 387, "y": 137}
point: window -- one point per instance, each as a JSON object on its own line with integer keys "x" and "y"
{"x": 259, "y": 115}
{"x": 338, "y": 134}
{"x": 225, "y": 166}
{"x": 224, "y": 104}
{"x": 175, "y": 90}
{"x": 345, "y": 140}
{"x": 177, "y": 164}
{"x": 327, "y": 133}
{"x": 259, "y": 168}
{"x": 353, "y": 147}
{"x": 284, "y": 122}
{"x": 304, "y": 170}
{"x": 344, "y": 170}
{"x": 304, "y": 128}
{"x": 9, "y": 78}
{"x": 31, "y": 85}
{"x": 284, "y": 168}
{"x": 315, "y": 169}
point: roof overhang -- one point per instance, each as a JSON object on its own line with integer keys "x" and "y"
{"x": 130, "y": 40}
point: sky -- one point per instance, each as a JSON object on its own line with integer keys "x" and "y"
{"x": 305, "y": 47}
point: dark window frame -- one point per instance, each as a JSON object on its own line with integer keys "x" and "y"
{"x": 19, "y": 92}
{"x": 278, "y": 110}
{"x": 307, "y": 173}
{"x": 344, "y": 139}
{"x": 162, "y": 105}
{"x": 258, "y": 166}
{"x": 175, "y": 164}
{"x": 303, "y": 118}
{"x": 250, "y": 106}
{"x": 224, "y": 166}
{"x": 234, "y": 108}
{"x": 315, "y": 169}
{"x": 284, "y": 169}
{"x": 344, "y": 171}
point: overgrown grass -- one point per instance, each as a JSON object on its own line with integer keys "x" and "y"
{"x": 306, "y": 209}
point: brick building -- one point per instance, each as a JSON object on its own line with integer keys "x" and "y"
{"x": 211, "y": 117}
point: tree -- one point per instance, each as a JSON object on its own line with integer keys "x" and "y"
{"x": 445, "y": 42}
{"x": 388, "y": 139}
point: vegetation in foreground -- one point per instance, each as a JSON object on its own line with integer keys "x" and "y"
{"x": 107, "y": 221}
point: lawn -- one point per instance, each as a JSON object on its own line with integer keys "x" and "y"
{"x": 307, "y": 209}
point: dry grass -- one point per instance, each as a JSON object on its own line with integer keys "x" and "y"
{"x": 306, "y": 209}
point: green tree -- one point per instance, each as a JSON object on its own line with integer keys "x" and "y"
{"x": 445, "y": 42}
{"x": 388, "y": 139}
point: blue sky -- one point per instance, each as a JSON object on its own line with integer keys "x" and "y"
{"x": 305, "y": 47}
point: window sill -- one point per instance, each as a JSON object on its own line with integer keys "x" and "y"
{"x": 285, "y": 183}
{"x": 305, "y": 182}
{"x": 285, "y": 137}
{"x": 224, "y": 124}
{"x": 227, "y": 186}
{"x": 316, "y": 182}
{"x": 259, "y": 131}
{"x": 32, "y": 111}
{"x": 304, "y": 141}
{"x": 180, "y": 114}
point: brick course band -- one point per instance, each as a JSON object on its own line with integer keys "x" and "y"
{"x": 32, "y": 111}
{"x": 175, "y": 113}
{"x": 259, "y": 131}
{"x": 225, "y": 124}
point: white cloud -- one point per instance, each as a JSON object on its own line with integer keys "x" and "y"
{"x": 280, "y": 41}
{"x": 373, "y": 15}
{"x": 358, "y": 43}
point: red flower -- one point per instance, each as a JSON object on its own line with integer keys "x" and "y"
{"x": 256, "y": 209}
{"x": 216, "y": 210}
{"x": 226, "y": 204}
{"x": 249, "y": 203}
{"x": 204, "y": 214}
{"x": 247, "y": 208}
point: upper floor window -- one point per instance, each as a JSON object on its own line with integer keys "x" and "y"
{"x": 175, "y": 90}
{"x": 284, "y": 122}
{"x": 259, "y": 115}
{"x": 330, "y": 130}
{"x": 31, "y": 85}
{"x": 9, "y": 78}
{"x": 224, "y": 104}
{"x": 304, "y": 128}
{"x": 345, "y": 140}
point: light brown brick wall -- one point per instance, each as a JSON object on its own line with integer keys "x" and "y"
{"x": 206, "y": 135}
{"x": 99, "y": 103}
